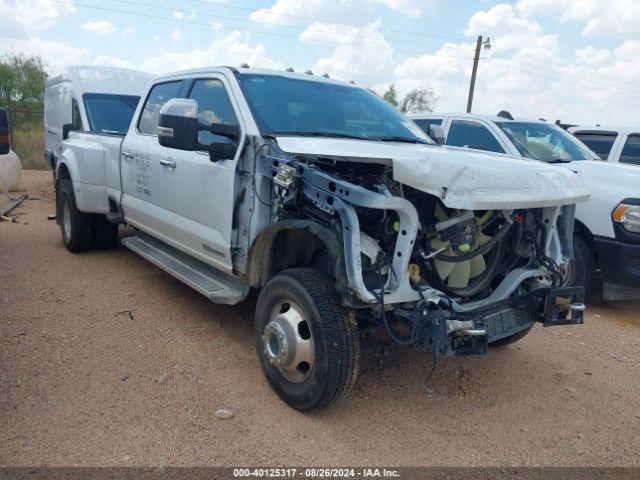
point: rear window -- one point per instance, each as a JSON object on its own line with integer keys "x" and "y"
{"x": 425, "y": 123}
{"x": 631, "y": 150}
{"x": 599, "y": 143}
{"x": 109, "y": 113}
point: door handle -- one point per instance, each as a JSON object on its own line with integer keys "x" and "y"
{"x": 127, "y": 155}
{"x": 50, "y": 130}
{"x": 168, "y": 163}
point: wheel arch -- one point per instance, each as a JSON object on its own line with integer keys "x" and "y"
{"x": 581, "y": 230}
{"x": 296, "y": 243}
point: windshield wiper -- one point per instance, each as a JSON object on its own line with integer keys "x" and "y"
{"x": 558, "y": 160}
{"x": 320, "y": 134}
{"x": 400, "y": 139}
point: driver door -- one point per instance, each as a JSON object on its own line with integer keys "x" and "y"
{"x": 199, "y": 193}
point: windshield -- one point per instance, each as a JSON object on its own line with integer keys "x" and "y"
{"x": 109, "y": 113}
{"x": 291, "y": 106}
{"x": 541, "y": 141}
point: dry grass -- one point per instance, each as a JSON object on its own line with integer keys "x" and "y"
{"x": 29, "y": 145}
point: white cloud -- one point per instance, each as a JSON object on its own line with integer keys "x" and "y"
{"x": 157, "y": 38}
{"x": 101, "y": 27}
{"x": 128, "y": 32}
{"x": 177, "y": 34}
{"x": 528, "y": 73}
{"x": 291, "y": 12}
{"x": 615, "y": 18}
{"x": 177, "y": 15}
{"x": 233, "y": 49}
{"x": 21, "y": 18}
{"x": 365, "y": 56}
{"x": 192, "y": 13}
{"x": 215, "y": 26}
{"x": 56, "y": 55}
{"x": 411, "y": 8}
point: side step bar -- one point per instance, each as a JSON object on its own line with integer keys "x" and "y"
{"x": 213, "y": 284}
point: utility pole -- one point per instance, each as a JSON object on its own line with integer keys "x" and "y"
{"x": 476, "y": 59}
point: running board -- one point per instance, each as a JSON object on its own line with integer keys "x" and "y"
{"x": 213, "y": 284}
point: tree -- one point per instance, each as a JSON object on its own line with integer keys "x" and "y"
{"x": 420, "y": 100}
{"x": 391, "y": 96}
{"x": 22, "y": 80}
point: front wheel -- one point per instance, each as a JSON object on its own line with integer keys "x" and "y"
{"x": 307, "y": 342}
{"x": 582, "y": 270}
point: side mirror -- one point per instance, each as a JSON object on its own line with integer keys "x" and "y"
{"x": 5, "y": 137}
{"x": 178, "y": 128}
{"x": 66, "y": 128}
{"x": 178, "y": 124}
{"x": 436, "y": 132}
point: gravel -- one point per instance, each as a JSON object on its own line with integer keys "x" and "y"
{"x": 107, "y": 360}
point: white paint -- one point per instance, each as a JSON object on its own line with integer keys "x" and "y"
{"x": 10, "y": 172}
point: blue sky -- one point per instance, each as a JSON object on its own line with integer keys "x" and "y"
{"x": 571, "y": 59}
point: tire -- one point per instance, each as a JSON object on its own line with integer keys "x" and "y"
{"x": 105, "y": 233}
{"x": 76, "y": 226}
{"x": 326, "y": 335}
{"x": 511, "y": 338}
{"x": 582, "y": 272}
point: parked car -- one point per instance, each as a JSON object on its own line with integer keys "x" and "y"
{"x": 89, "y": 98}
{"x": 614, "y": 144}
{"x": 607, "y": 233}
{"x": 343, "y": 213}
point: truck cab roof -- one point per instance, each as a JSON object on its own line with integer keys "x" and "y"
{"x": 251, "y": 71}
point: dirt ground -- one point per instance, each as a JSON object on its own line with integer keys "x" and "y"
{"x": 107, "y": 360}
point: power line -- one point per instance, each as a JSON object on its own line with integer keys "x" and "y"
{"x": 310, "y": 19}
{"x": 242, "y": 20}
{"x": 259, "y": 32}
{"x": 562, "y": 80}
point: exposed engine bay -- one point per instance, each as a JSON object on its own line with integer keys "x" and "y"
{"x": 431, "y": 274}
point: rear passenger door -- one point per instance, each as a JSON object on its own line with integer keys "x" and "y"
{"x": 143, "y": 177}
{"x": 473, "y": 134}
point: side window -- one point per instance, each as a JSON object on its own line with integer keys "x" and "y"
{"x": 599, "y": 143}
{"x": 158, "y": 96}
{"x": 470, "y": 134}
{"x": 425, "y": 123}
{"x": 631, "y": 150}
{"x": 76, "y": 120}
{"x": 214, "y": 106}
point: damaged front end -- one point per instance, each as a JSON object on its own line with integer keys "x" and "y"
{"x": 436, "y": 271}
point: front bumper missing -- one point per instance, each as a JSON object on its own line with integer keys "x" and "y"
{"x": 451, "y": 334}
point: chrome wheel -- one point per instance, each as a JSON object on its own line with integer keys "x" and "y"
{"x": 66, "y": 220}
{"x": 287, "y": 341}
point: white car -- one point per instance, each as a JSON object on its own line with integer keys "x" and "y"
{"x": 91, "y": 99}
{"x": 338, "y": 208}
{"x": 613, "y": 144}
{"x": 607, "y": 226}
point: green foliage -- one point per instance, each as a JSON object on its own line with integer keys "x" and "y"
{"x": 22, "y": 82}
{"x": 420, "y": 100}
{"x": 391, "y": 96}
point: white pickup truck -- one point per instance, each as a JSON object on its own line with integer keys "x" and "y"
{"x": 607, "y": 226}
{"x": 613, "y": 144}
{"x": 344, "y": 214}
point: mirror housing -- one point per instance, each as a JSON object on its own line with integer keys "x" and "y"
{"x": 179, "y": 125}
{"x": 66, "y": 128}
{"x": 436, "y": 132}
{"x": 5, "y": 136}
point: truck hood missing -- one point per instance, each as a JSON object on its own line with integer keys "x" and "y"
{"x": 460, "y": 178}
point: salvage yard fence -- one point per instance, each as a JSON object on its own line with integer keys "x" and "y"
{"x": 27, "y": 137}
